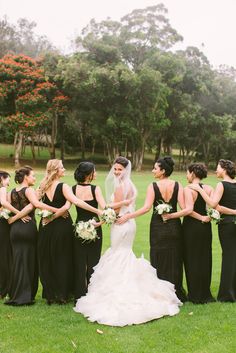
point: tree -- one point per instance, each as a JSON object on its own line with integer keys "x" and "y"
{"x": 27, "y": 99}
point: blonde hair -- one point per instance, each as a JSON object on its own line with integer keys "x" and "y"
{"x": 52, "y": 168}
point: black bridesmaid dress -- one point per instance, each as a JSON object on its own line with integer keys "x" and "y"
{"x": 227, "y": 235}
{"x": 5, "y": 257}
{"x": 86, "y": 254}
{"x": 23, "y": 236}
{"x": 166, "y": 244}
{"x": 55, "y": 253}
{"x": 198, "y": 255}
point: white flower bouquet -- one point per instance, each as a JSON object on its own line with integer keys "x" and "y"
{"x": 5, "y": 213}
{"x": 86, "y": 230}
{"x": 163, "y": 208}
{"x": 108, "y": 216}
{"x": 45, "y": 214}
{"x": 214, "y": 215}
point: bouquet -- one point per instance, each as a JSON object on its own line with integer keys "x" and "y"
{"x": 163, "y": 208}
{"x": 5, "y": 213}
{"x": 86, "y": 230}
{"x": 214, "y": 215}
{"x": 45, "y": 214}
{"x": 108, "y": 216}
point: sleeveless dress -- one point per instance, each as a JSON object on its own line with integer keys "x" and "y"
{"x": 198, "y": 255}
{"x": 166, "y": 244}
{"x": 85, "y": 254}
{"x": 23, "y": 236}
{"x": 55, "y": 253}
{"x": 123, "y": 289}
{"x": 227, "y": 235}
{"x": 5, "y": 257}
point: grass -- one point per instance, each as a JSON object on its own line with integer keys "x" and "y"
{"x": 208, "y": 328}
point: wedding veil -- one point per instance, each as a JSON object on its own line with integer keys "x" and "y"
{"x": 112, "y": 182}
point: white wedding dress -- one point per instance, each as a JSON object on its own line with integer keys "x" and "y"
{"x": 124, "y": 289}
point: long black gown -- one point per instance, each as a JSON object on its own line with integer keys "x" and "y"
{"x": 227, "y": 235}
{"x": 5, "y": 257}
{"x": 86, "y": 254}
{"x": 55, "y": 253}
{"x": 166, "y": 244}
{"x": 23, "y": 236}
{"x": 198, "y": 255}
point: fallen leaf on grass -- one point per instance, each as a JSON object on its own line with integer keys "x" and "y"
{"x": 99, "y": 331}
{"x": 73, "y": 344}
{"x": 191, "y": 313}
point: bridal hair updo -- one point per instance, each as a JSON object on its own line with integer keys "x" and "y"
{"x": 84, "y": 171}
{"x": 167, "y": 164}
{"x": 3, "y": 175}
{"x": 52, "y": 168}
{"x": 199, "y": 169}
{"x": 21, "y": 173}
{"x": 122, "y": 161}
{"x": 228, "y": 166}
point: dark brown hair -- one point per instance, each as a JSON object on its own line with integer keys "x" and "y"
{"x": 167, "y": 164}
{"x": 122, "y": 161}
{"x": 228, "y": 166}
{"x": 199, "y": 169}
{"x": 83, "y": 170}
{"x": 21, "y": 173}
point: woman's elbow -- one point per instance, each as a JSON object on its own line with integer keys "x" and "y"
{"x": 188, "y": 210}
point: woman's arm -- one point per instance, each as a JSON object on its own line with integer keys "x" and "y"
{"x": 211, "y": 200}
{"x": 67, "y": 192}
{"x": 62, "y": 212}
{"x": 203, "y": 218}
{"x": 150, "y": 197}
{"x": 226, "y": 210}
{"x": 185, "y": 201}
{"x": 102, "y": 203}
{"x": 4, "y": 201}
{"x": 31, "y": 196}
{"x": 22, "y": 214}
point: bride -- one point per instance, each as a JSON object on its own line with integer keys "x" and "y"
{"x": 123, "y": 289}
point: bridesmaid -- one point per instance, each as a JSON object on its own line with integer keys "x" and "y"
{"x": 23, "y": 236}
{"x": 197, "y": 237}
{"x": 5, "y": 248}
{"x": 87, "y": 254}
{"x": 166, "y": 243}
{"x": 56, "y": 236}
{"x": 225, "y": 196}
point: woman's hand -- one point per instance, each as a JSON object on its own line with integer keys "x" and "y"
{"x": 66, "y": 214}
{"x": 206, "y": 219}
{"x": 195, "y": 187}
{"x": 97, "y": 224}
{"x": 127, "y": 202}
{"x": 46, "y": 220}
{"x": 166, "y": 216}
{"x": 123, "y": 219}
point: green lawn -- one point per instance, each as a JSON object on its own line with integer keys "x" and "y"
{"x": 56, "y": 329}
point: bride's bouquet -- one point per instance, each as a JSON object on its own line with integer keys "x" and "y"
{"x": 163, "y": 207}
{"x": 5, "y": 213}
{"x": 214, "y": 215}
{"x": 108, "y": 216}
{"x": 86, "y": 230}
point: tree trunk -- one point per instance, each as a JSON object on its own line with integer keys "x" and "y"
{"x": 18, "y": 148}
{"x": 53, "y": 136}
{"x": 33, "y": 149}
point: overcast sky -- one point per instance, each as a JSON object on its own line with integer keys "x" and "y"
{"x": 210, "y": 23}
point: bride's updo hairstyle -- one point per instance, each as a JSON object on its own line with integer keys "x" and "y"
{"x": 52, "y": 168}
{"x": 83, "y": 171}
{"x": 3, "y": 175}
{"x": 199, "y": 169}
{"x": 167, "y": 164}
{"x": 122, "y": 161}
{"x": 21, "y": 173}
{"x": 228, "y": 166}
